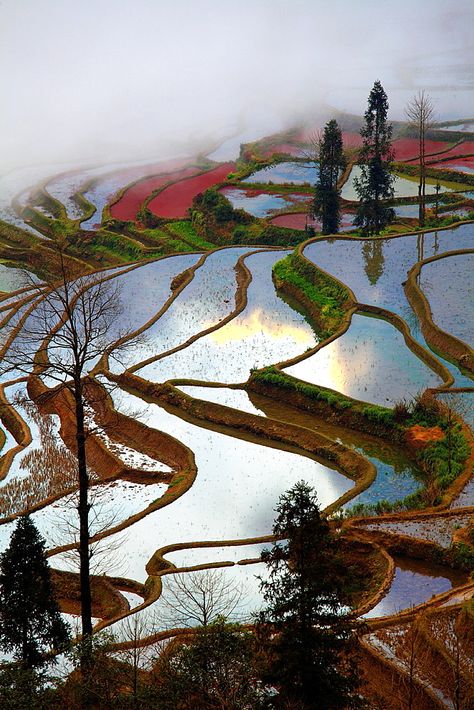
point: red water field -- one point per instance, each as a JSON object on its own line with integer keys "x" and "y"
{"x": 175, "y": 200}
{"x": 295, "y": 220}
{"x": 299, "y": 220}
{"x": 408, "y": 148}
{"x": 465, "y": 148}
{"x": 132, "y": 199}
{"x": 458, "y": 163}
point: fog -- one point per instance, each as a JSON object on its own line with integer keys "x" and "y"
{"x": 102, "y": 80}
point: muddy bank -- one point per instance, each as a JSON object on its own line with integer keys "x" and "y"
{"x": 452, "y": 347}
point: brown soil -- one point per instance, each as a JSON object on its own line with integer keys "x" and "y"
{"x": 419, "y": 437}
{"x": 107, "y": 602}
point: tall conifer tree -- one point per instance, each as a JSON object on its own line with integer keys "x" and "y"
{"x": 304, "y": 628}
{"x": 30, "y": 621}
{"x": 375, "y": 184}
{"x": 326, "y": 205}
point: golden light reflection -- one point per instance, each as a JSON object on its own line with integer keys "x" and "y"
{"x": 258, "y": 322}
{"x": 335, "y": 368}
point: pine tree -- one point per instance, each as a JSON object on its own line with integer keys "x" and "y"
{"x": 30, "y": 621}
{"x": 326, "y": 205}
{"x": 375, "y": 183}
{"x": 303, "y": 628}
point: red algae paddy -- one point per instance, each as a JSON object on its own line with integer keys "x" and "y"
{"x": 407, "y": 148}
{"x": 459, "y": 164}
{"x": 296, "y": 220}
{"x": 175, "y": 200}
{"x": 465, "y": 148}
{"x": 128, "y": 205}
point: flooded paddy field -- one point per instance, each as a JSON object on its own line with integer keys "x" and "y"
{"x": 403, "y": 186}
{"x": 376, "y": 270}
{"x": 414, "y": 583}
{"x": 357, "y": 362}
{"x": 216, "y": 318}
{"x": 286, "y": 173}
{"x": 261, "y": 204}
{"x": 451, "y": 299}
{"x": 175, "y": 200}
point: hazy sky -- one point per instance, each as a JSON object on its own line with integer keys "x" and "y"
{"x": 90, "y": 79}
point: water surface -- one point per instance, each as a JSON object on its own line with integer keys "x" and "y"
{"x": 370, "y": 362}
{"x": 267, "y": 331}
{"x": 449, "y": 288}
{"x": 297, "y": 173}
{"x": 415, "y": 582}
{"x": 261, "y": 204}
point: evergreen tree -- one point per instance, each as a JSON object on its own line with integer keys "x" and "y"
{"x": 304, "y": 629}
{"x": 30, "y": 621}
{"x": 375, "y": 183}
{"x": 326, "y": 205}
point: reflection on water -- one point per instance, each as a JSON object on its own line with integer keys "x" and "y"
{"x": 449, "y": 287}
{"x": 374, "y": 260}
{"x": 260, "y": 204}
{"x": 234, "y": 495}
{"x": 414, "y": 583}
{"x": 346, "y": 261}
{"x": 411, "y": 210}
{"x": 290, "y": 172}
{"x": 267, "y": 331}
{"x": 370, "y": 362}
{"x": 403, "y": 186}
{"x": 390, "y": 485}
{"x": 144, "y": 290}
{"x": 207, "y": 299}
{"x": 396, "y": 475}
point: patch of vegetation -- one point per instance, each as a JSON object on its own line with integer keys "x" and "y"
{"x": 53, "y": 207}
{"x": 443, "y": 174}
{"x": 186, "y": 232}
{"x": 213, "y": 218}
{"x": 447, "y": 456}
{"x": 448, "y": 220}
{"x": 119, "y": 246}
{"x": 462, "y": 556}
{"x": 270, "y": 234}
{"x": 372, "y": 412}
{"x": 327, "y": 294}
{"x": 53, "y": 228}
{"x": 146, "y": 217}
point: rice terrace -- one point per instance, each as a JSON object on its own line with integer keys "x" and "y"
{"x": 192, "y": 335}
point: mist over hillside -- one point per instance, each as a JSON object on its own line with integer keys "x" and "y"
{"x": 115, "y": 79}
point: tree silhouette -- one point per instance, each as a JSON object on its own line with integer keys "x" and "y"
{"x": 304, "y": 628}
{"x": 213, "y": 669}
{"x": 72, "y": 325}
{"x": 375, "y": 183}
{"x": 30, "y": 621}
{"x": 420, "y": 115}
{"x": 326, "y": 204}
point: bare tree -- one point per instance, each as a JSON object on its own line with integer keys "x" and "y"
{"x": 198, "y": 598}
{"x": 420, "y": 114}
{"x": 65, "y": 334}
{"x": 139, "y": 656}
